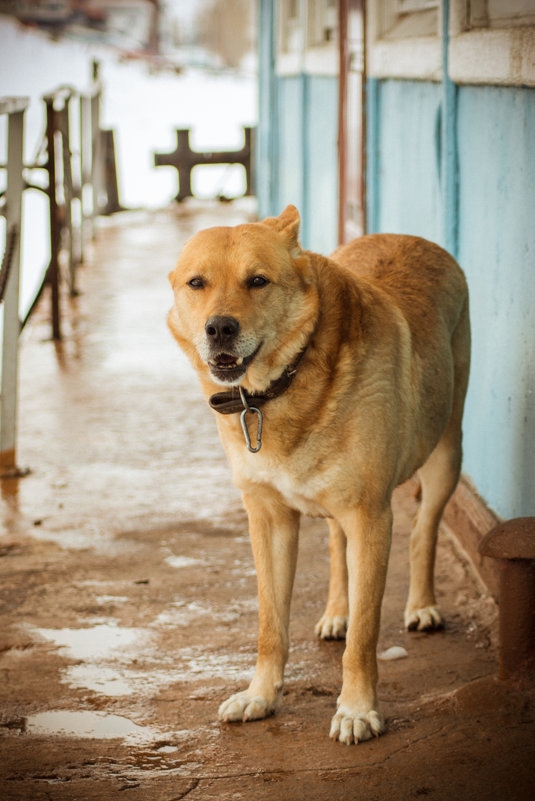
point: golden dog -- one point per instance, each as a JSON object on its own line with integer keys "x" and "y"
{"x": 343, "y": 377}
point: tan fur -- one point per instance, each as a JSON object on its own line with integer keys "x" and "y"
{"x": 378, "y": 395}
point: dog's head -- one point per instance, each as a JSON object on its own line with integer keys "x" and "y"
{"x": 245, "y": 300}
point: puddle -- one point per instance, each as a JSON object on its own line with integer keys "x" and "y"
{"x": 113, "y": 683}
{"x": 89, "y": 725}
{"x": 70, "y": 540}
{"x": 100, "y": 647}
{"x": 109, "y": 657}
{"x": 98, "y": 642}
{"x": 103, "y": 680}
{"x": 109, "y": 654}
{"x": 78, "y": 539}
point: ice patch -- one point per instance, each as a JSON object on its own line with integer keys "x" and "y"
{"x": 395, "y": 652}
{"x": 182, "y": 561}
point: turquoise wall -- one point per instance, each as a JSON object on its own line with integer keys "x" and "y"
{"x": 496, "y": 149}
{"x": 297, "y": 158}
{"x": 495, "y": 177}
{"x": 306, "y": 166}
{"x": 297, "y": 142}
{"x": 407, "y": 164}
{"x": 321, "y": 164}
{"x": 455, "y": 165}
{"x": 290, "y": 166}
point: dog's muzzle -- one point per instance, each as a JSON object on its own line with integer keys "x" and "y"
{"x": 226, "y": 360}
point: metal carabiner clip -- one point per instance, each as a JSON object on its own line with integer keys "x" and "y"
{"x": 252, "y": 410}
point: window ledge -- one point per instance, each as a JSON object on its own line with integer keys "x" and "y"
{"x": 505, "y": 57}
{"x": 314, "y": 61}
{"x": 415, "y": 58}
{"x": 322, "y": 60}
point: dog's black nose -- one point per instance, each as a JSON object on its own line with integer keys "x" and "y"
{"x": 221, "y": 330}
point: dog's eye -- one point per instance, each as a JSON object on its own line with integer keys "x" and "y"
{"x": 257, "y": 281}
{"x": 196, "y": 283}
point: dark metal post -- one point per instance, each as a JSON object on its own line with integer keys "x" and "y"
{"x": 249, "y": 162}
{"x": 67, "y": 183}
{"x": 97, "y": 155}
{"x": 55, "y": 223}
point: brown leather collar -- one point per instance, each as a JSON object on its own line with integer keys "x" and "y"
{"x": 230, "y": 402}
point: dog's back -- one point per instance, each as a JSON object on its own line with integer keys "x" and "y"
{"x": 421, "y": 278}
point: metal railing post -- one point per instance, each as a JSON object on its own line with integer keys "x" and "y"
{"x": 97, "y": 150}
{"x": 15, "y": 109}
{"x": 53, "y": 277}
{"x": 85, "y": 171}
{"x": 68, "y": 188}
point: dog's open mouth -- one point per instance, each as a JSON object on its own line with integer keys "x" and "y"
{"x": 229, "y": 367}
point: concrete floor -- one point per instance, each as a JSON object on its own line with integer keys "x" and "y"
{"x": 127, "y": 599}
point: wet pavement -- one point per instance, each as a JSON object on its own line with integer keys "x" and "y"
{"x": 128, "y": 599}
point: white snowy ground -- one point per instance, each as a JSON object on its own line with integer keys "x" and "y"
{"x": 143, "y": 108}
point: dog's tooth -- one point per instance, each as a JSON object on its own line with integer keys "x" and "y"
{"x": 239, "y": 360}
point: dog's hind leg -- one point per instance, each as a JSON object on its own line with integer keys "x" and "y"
{"x": 438, "y": 479}
{"x": 274, "y": 529}
{"x": 333, "y": 623}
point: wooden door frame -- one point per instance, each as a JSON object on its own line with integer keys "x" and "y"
{"x": 344, "y": 65}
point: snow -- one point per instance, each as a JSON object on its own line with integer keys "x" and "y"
{"x": 144, "y": 109}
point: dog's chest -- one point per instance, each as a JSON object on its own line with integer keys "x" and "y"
{"x": 300, "y": 489}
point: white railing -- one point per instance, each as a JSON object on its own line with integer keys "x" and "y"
{"x": 11, "y": 209}
{"x": 76, "y": 171}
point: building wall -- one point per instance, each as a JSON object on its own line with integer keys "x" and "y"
{"x": 495, "y": 247}
{"x": 450, "y": 157}
{"x": 407, "y": 172}
{"x": 305, "y": 170}
{"x": 297, "y": 139}
{"x": 321, "y": 164}
{"x": 291, "y": 153}
{"x": 496, "y": 129}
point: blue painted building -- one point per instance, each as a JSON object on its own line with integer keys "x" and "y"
{"x": 418, "y": 116}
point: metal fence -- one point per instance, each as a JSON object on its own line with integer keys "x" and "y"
{"x": 72, "y": 168}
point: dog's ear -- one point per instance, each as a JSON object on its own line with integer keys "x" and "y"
{"x": 287, "y": 224}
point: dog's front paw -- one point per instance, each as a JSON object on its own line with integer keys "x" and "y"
{"x": 354, "y": 726}
{"x": 244, "y": 706}
{"x": 331, "y": 627}
{"x": 428, "y": 618}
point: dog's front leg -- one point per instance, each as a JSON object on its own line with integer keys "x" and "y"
{"x": 274, "y": 531}
{"x": 368, "y": 544}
